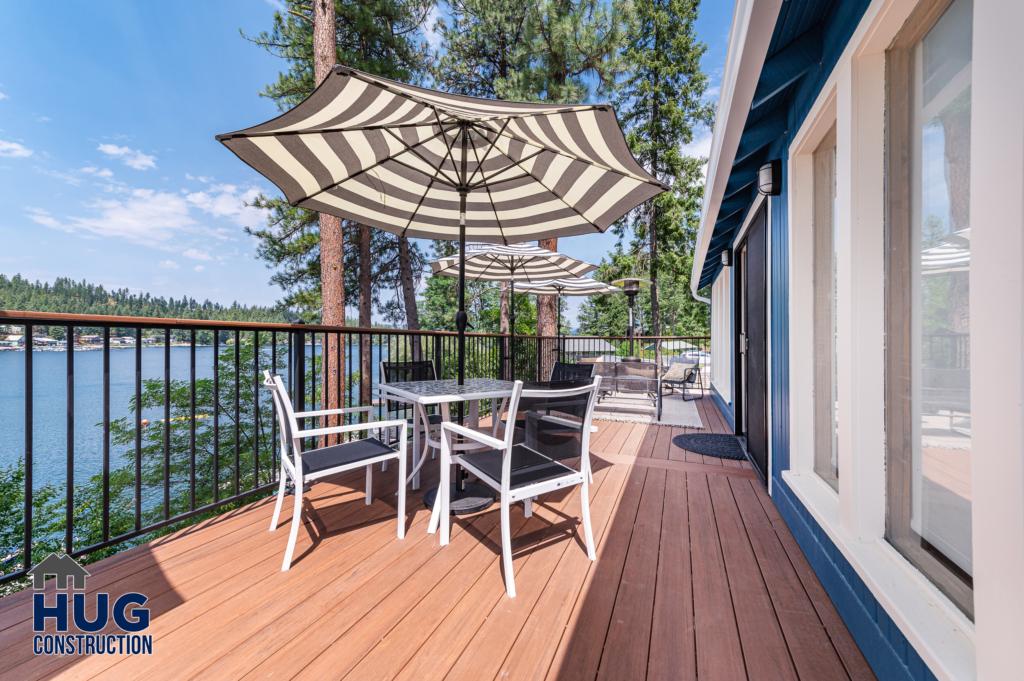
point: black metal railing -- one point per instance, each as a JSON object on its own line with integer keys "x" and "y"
{"x": 162, "y": 423}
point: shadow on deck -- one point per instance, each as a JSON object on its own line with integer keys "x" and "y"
{"x": 696, "y": 577}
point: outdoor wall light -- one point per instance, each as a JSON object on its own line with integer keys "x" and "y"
{"x": 727, "y": 257}
{"x": 769, "y": 178}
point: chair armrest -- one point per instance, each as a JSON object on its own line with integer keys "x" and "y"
{"x": 493, "y": 442}
{"x": 373, "y": 425}
{"x": 327, "y": 412}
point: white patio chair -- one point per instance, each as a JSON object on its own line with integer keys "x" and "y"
{"x": 557, "y": 428}
{"x": 302, "y": 467}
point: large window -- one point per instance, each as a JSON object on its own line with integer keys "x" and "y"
{"x": 826, "y": 406}
{"x": 928, "y": 341}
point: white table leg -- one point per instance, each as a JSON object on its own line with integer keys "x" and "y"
{"x": 416, "y": 449}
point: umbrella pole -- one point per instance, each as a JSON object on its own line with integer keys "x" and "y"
{"x": 558, "y": 328}
{"x": 512, "y": 327}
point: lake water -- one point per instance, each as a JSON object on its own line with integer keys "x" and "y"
{"x": 49, "y": 422}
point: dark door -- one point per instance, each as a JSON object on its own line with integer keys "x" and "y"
{"x": 753, "y": 343}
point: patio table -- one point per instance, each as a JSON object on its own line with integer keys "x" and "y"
{"x": 472, "y": 497}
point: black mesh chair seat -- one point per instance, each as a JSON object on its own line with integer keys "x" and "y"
{"x": 434, "y": 419}
{"x": 343, "y": 454}
{"x": 564, "y": 371}
{"x": 528, "y": 467}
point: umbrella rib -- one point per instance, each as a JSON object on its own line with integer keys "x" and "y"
{"x": 479, "y": 163}
{"x": 419, "y": 155}
{"x": 417, "y": 209}
{"x": 586, "y": 161}
{"x": 490, "y": 199}
{"x": 369, "y": 168}
{"x": 444, "y": 138}
{"x": 484, "y": 182}
{"x": 552, "y": 192}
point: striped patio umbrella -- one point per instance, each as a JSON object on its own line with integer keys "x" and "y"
{"x": 421, "y": 163}
{"x": 514, "y": 262}
{"x": 569, "y": 287}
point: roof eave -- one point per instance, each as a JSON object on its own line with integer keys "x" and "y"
{"x": 752, "y": 26}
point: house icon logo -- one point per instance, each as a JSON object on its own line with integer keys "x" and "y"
{"x": 62, "y": 568}
{"x": 51, "y": 623}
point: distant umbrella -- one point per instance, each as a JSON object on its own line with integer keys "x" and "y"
{"x": 513, "y": 263}
{"x": 569, "y": 287}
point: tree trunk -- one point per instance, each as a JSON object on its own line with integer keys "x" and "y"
{"x": 547, "y": 321}
{"x": 655, "y": 317}
{"x": 365, "y": 319}
{"x": 412, "y": 314}
{"x": 332, "y": 239}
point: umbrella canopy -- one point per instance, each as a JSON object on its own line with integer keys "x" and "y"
{"x": 427, "y": 164}
{"x": 512, "y": 263}
{"x": 569, "y": 287}
{"x": 402, "y": 158}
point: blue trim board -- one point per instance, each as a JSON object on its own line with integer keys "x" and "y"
{"x": 724, "y": 407}
{"x": 884, "y": 646}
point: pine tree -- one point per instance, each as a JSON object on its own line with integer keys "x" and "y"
{"x": 376, "y": 36}
{"x": 659, "y": 104}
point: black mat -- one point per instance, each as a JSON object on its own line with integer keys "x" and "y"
{"x": 721, "y": 446}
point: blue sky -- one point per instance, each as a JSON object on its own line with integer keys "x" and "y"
{"x": 109, "y": 170}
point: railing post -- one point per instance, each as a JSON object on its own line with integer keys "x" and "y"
{"x": 300, "y": 376}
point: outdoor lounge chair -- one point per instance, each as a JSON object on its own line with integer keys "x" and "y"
{"x": 691, "y": 379}
{"x": 528, "y": 462}
{"x": 302, "y": 467}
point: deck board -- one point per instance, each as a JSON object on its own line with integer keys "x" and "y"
{"x": 696, "y": 577}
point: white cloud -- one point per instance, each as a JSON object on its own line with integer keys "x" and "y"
{"x": 145, "y": 217}
{"x": 196, "y": 254}
{"x": 700, "y": 146}
{"x": 44, "y": 218}
{"x": 93, "y": 170}
{"x": 169, "y": 264}
{"x": 41, "y": 119}
{"x": 14, "y": 150}
{"x": 133, "y": 158}
{"x": 198, "y": 268}
{"x": 71, "y": 179}
{"x": 3, "y": 96}
{"x": 278, "y": 5}
{"x": 228, "y": 201}
{"x": 434, "y": 38}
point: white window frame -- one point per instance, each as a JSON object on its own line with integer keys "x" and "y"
{"x": 853, "y": 98}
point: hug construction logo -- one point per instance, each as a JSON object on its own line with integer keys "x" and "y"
{"x": 90, "y": 638}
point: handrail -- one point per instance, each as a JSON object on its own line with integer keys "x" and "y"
{"x": 16, "y": 316}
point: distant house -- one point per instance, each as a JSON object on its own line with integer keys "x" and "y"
{"x": 13, "y": 341}
{"x": 45, "y": 341}
{"x": 61, "y": 567}
{"x": 587, "y": 347}
{"x": 90, "y": 339}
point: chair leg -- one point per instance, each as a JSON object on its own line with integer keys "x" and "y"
{"x": 369, "y": 485}
{"x": 528, "y": 507}
{"x": 280, "y": 498}
{"x": 587, "y": 532}
{"x": 401, "y": 493}
{"x": 506, "y": 549}
{"x": 294, "y": 530}
{"x": 443, "y": 508}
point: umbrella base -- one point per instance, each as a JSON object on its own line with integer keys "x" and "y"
{"x": 474, "y": 498}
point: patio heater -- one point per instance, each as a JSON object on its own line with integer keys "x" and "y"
{"x": 631, "y": 287}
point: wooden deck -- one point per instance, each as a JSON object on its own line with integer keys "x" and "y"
{"x": 697, "y": 577}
